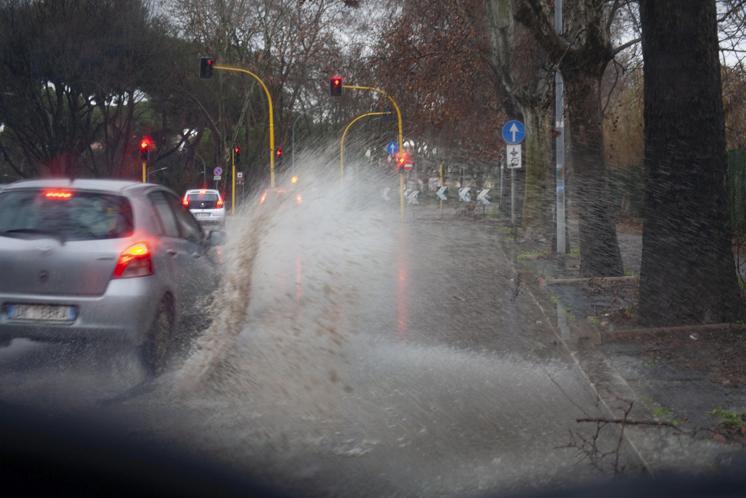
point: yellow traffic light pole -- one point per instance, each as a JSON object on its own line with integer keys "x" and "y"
{"x": 401, "y": 134}
{"x": 235, "y": 69}
{"x": 145, "y": 171}
{"x": 344, "y": 135}
{"x": 233, "y": 181}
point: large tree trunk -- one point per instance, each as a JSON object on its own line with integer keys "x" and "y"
{"x": 599, "y": 250}
{"x": 688, "y": 272}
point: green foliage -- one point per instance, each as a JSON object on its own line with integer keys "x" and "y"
{"x": 729, "y": 418}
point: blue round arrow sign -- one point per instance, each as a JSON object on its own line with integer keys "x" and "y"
{"x": 514, "y": 132}
{"x": 392, "y": 148}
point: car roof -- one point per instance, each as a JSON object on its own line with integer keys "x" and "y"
{"x": 107, "y": 185}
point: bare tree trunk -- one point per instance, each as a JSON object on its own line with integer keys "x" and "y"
{"x": 537, "y": 212}
{"x": 688, "y": 272}
{"x": 599, "y": 250}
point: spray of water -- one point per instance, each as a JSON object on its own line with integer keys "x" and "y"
{"x": 292, "y": 264}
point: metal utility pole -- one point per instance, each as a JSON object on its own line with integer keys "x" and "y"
{"x": 559, "y": 107}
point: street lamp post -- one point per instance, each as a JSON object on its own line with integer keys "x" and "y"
{"x": 223, "y": 67}
{"x": 401, "y": 135}
{"x": 152, "y": 172}
{"x": 344, "y": 135}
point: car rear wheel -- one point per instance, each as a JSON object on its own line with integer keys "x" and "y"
{"x": 157, "y": 349}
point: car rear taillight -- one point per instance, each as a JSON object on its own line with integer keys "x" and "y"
{"x": 135, "y": 261}
{"x": 185, "y": 201}
{"x": 220, "y": 202}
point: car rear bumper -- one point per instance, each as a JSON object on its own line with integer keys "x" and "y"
{"x": 122, "y": 314}
{"x": 209, "y": 216}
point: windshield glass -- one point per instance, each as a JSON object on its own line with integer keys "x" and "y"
{"x": 206, "y": 200}
{"x": 383, "y": 247}
{"x": 66, "y": 213}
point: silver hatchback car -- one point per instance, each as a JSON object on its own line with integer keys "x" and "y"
{"x": 101, "y": 259}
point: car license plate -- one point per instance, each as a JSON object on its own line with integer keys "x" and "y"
{"x": 41, "y": 312}
{"x": 203, "y": 215}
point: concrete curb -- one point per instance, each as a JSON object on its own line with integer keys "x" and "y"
{"x": 604, "y": 380}
{"x": 628, "y": 335}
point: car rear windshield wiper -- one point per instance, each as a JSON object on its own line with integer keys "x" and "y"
{"x": 33, "y": 231}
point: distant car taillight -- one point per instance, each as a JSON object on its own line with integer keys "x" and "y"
{"x": 135, "y": 261}
{"x": 185, "y": 201}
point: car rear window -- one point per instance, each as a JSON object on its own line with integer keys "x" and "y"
{"x": 70, "y": 214}
{"x": 206, "y": 200}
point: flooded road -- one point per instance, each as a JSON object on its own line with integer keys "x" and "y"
{"x": 353, "y": 355}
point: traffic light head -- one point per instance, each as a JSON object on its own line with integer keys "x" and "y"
{"x": 278, "y": 153}
{"x": 205, "y": 67}
{"x": 236, "y": 153}
{"x": 403, "y": 160}
{"x": 335, "y": 86}
{"x": 146, "y": 143}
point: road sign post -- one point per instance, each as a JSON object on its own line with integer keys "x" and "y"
{"x": 513, "y": 133}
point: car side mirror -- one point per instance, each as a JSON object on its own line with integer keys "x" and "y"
{"x": 216, "y": 238}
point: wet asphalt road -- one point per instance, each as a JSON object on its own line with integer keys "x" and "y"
{"x": 378, "y": 359}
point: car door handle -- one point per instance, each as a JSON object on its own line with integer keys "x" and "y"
{"x": 171, "y": 252}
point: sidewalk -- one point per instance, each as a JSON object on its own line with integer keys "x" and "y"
{"x": 687, "y": 385}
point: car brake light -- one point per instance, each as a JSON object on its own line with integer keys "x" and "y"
{"x": 185, "y": 201}
{"x": 135, "y": 261}
{"x": 220, "y": 202}
{"x": 58, "y": 195}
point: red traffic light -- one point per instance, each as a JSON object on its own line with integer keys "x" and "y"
{"x": 278, "y": 152}
{"x": 404, "y": 161}
{"x": 146, "y": 145}
{"x": 237, "y": 151}
{"x": 335, "y": 86}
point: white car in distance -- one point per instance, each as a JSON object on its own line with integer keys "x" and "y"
{"x": 206, "y": 205}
